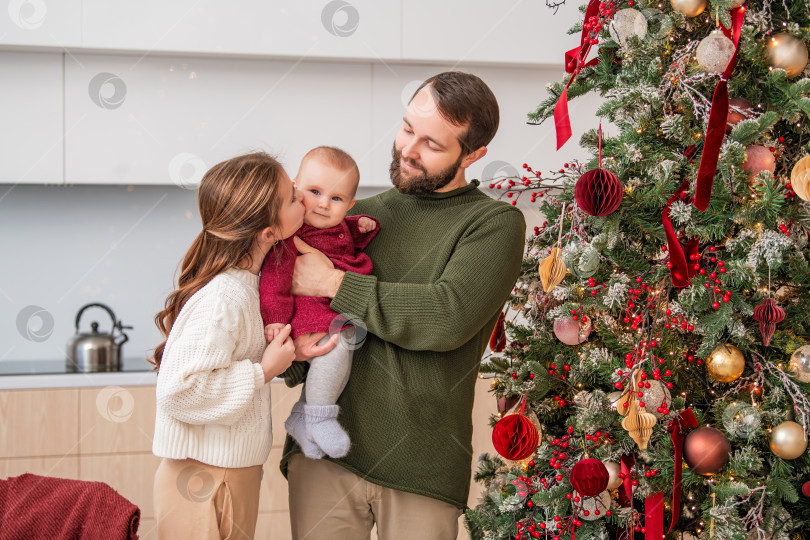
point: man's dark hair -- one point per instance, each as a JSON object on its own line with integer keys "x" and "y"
{"x": 464, "y": 99}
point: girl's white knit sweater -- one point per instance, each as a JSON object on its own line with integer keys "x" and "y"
{"x": 212, "y": 402}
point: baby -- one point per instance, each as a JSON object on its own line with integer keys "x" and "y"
{"x": 327, "y": 180}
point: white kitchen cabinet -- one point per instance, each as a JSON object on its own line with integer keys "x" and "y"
{"x": 514, "y": 31}
{"x": 358, "y": 29}
{"x": 165, "y": 120}
{"x": 41, "y": 23}
{"x": 31, "y": 118}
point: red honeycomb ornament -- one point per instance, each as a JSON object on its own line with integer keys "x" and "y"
{"x": 598, "y": 192}
{"x": 768, "y": 313}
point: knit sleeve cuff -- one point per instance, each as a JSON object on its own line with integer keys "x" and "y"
{"x": 295, "y": 374}
{"x": 354, "y": 294}
{"x": 258, "y": 375}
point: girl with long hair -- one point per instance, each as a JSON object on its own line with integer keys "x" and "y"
{"x": 213, "y": 425}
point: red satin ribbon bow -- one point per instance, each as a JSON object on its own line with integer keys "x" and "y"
{"x": 574, "y": 61}
{"x": 682, "y": 269}
{"x": 676, "y": 428}
{"x": 718, "y": 118}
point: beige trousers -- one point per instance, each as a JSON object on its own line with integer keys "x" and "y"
{"x": 202, "y": 502}
{"x": 328, "y": 501}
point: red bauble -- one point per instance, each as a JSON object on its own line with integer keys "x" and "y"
{"x": 598, "y": 192}
{"x": 743, "y": 105}
{"x": 758, "y": 159}
{"x": 806, "y": 489}
{"x": 497, "y": 341}
{"x": 706, "y": 450}
{"x": 515, "y": 437}
{"x": 768, "y": 314}
{"x": 590, "y": 477}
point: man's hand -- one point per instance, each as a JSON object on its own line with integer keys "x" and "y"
{"x": 272, "y": 330}
{"x": 366, "y": 224}
{"x": 306, "y": 345}
{"x": 314, "y": 274}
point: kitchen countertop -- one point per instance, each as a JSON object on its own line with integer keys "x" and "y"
{"x": 35, "y": 374}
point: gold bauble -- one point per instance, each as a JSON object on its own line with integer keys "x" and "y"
{"x": 787, "y": 52}
{"x": 725, "y": 363}
{"x": 800, "y": 178}
{"x": 690, "y": 8}
{"x": 800, "y": 363}
{"x": 613, "y": 470}
{"x": 801, "y": 185}
{"x": 788, "y": 440}
{"x": 614, "y": 398}
{"x": 714, "y": 52}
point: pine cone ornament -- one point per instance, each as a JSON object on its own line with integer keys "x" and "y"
{"x": 768, "y": 313}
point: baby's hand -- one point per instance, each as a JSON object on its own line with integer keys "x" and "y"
{"x": 365, "y": 224}
{"x": 272, "y": 330}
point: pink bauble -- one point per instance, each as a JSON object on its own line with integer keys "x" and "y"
{"x": 758, "y": 159}
{"x": 572, "y": 332}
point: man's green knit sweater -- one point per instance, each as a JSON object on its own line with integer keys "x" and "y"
{"x": 444, "y": 265}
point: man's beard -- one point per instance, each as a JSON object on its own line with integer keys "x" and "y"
{"x": 424, "y": 183}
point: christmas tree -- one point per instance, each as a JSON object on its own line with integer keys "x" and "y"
{"x": 653, "y": 370}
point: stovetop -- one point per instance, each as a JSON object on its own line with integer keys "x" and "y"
{"x": 57, "y": 367}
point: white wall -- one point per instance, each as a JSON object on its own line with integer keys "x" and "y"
{"x": 116, "y": 227}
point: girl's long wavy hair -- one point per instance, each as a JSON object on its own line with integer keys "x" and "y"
{"x": 237, "y": 199}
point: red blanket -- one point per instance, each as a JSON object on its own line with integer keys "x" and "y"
{"x": 40, "y": 507}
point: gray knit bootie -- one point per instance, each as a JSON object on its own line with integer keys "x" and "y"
{"x": 325, "y": 430}
{"x": 296, "y": 426}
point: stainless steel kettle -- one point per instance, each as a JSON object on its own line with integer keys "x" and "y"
{"x": 96, "y": 351}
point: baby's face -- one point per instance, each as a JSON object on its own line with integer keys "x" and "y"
{"x": 328, "y": 193}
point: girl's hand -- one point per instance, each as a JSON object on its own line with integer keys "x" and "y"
{"x": 278, "y": 355}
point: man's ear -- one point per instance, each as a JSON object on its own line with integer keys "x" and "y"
{"x": 472, "y": 157}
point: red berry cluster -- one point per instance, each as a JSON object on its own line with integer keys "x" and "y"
{"x": 690, "y": 357}
{"x": 678, "y": 320}
{"x": 515, "y": 186}
{"x": 784, "y": 228}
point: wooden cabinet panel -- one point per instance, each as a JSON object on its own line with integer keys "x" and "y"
{"x": 274, "y": 493}
{"x": 116, "y": 419}
{"x": 132, "y": 475}
{"x": 39, "y": 422}
{"x": 147, "y": 530}
{"x": 59, "y": 467}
